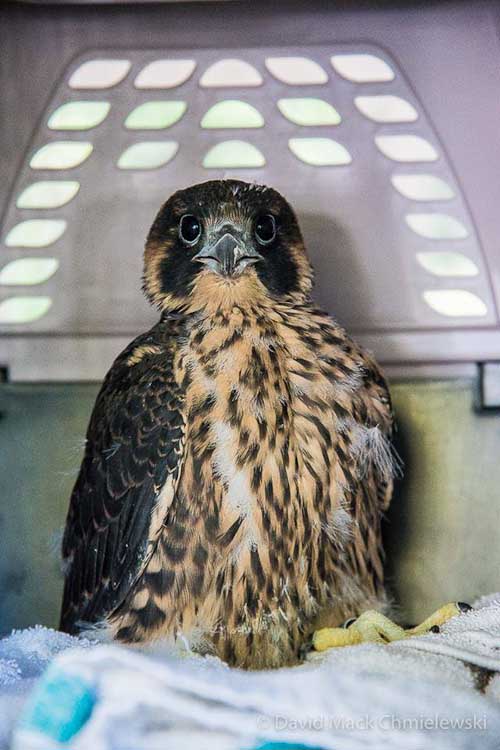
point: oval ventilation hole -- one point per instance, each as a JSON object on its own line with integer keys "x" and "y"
{"x": 99, "y": 74}
{"x": 155, "y": 115}
{"x": 386, "y": 108}
{"x": 28, "y": 271}
{"x": 48, "y": 194}
{"x": 447, "y": 264}
{"x": 309, "y": 111}
{"x": 296, "y": 71}
{"x": 61, "y": 155}
{"x": 422, "y": 187}
{"x": 36, "y": 233}
{"x": 165, "y": 74}
{"x": 406, "y": 148}
{"x": 24, "y": 309}
{"x": 319, "y": 152}
{"x": 455, "y": 303}
{"x": 230, "y": 72}
{"x": 78, "y": 115}
{"x": 436, "y": 226}
{"x": 362, "y": 68}
{"x": 233, "y": 154}
{"x": 148, "y": 155}
{"x": 232, "y": 113}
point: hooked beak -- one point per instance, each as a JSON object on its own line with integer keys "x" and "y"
{"x": 228, "y": 256}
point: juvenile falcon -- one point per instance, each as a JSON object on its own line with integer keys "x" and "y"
{"x": 238, "y": 457}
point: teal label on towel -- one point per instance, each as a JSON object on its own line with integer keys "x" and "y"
{"x": 60, "y": 705}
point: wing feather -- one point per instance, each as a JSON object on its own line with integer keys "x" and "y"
{"x": 134, "y": 443}
{"x": 373, "y": 407}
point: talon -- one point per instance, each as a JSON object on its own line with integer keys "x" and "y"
{"x": 349, "y": 622}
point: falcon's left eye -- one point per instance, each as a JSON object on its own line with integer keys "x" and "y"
{"x": 265, "y": 229}
{"x": 189, "y": 229}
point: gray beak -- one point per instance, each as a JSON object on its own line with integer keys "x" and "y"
{"x": 228, "y": 256}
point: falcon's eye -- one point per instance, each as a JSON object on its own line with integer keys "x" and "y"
{"x": 189, "y": 229}
{"x": 265, "y": 229}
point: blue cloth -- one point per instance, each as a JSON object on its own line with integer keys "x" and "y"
{"x": 60, "y": 705}
{"x": 285, "y": 746}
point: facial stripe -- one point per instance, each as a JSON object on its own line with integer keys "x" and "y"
{"x": 170, "y": 271}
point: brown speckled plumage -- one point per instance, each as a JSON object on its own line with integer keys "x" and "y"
{"x": 238, "y": 458}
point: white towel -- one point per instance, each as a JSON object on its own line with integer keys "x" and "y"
{"x": 419, "y": 693}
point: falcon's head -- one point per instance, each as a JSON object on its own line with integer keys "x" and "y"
{"x": 225, "y": 242}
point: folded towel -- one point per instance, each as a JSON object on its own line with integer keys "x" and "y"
{"x": 438, "y": 690}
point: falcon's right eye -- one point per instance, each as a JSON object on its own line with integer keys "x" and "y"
{"x": 189, "y": 229}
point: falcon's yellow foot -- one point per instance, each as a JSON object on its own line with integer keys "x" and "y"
{"x": 373, "y": 627}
